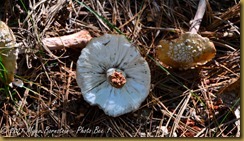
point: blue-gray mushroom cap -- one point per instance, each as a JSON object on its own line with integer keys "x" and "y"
{"x": 97, "y": 59}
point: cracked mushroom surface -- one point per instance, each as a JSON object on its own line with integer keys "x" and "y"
{"x": 190, "y": 49}
{"x": 187, "y": 51}
{"x": 112, "y": 74}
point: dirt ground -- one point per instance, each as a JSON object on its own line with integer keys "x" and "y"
{"x": 199, "y": 102}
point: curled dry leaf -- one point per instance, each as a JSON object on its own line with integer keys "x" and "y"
{"x": 8, "y": 53}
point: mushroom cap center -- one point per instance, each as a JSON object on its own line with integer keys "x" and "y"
{"x": 116, "y": 77}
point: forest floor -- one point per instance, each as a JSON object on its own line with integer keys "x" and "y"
{"x": 200, "y": 102}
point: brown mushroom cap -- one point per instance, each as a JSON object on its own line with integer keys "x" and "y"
{"x": 8, "y": 52}
{"x": 189, "y": 50}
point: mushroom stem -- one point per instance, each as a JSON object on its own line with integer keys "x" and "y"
{"x": 116, "y": 77}
{"x": 75, "y": 40}
{"x": 195, "y": 23}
